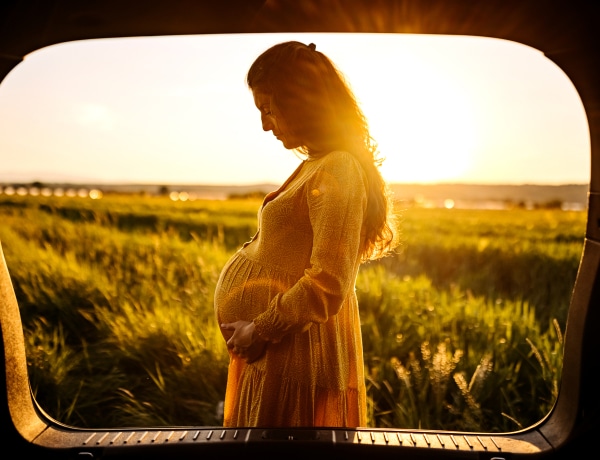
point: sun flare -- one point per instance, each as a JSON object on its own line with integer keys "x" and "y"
{"x": 426, "y": 131}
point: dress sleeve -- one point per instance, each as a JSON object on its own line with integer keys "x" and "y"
{"x": 336, "y": 199}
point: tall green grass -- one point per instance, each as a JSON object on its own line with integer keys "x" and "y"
{"x": 462, "y": 327}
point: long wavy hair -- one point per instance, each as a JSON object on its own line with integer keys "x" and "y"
{"x": 318, "y": 107}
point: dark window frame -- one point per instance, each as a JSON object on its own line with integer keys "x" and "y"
{"x": 566, "y": 31}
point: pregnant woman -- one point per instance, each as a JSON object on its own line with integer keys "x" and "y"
{"x": 286, "y": 301}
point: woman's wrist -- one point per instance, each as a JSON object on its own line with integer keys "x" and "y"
{"x": 255, "y": 334}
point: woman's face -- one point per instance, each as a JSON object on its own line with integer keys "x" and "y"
{"x": 272, "y": 122}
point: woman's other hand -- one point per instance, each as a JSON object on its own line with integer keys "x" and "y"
{"x": 243, "y": 340}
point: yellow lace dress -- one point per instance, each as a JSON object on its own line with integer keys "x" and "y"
{"x": 296, "y": 280}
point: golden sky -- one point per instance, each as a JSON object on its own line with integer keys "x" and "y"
{"x": 176, "y": 110}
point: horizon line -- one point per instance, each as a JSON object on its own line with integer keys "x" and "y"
{"x": 98, "y": 183}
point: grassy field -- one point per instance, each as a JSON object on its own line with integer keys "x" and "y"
{"x": 462, "y": 327}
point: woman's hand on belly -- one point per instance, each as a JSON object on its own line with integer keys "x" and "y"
{"x": 243, "y": 340}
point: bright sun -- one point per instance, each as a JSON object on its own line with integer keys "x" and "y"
{"x": 429, "y": 145}
{"x": 427, "y": 135}
{"x": 422, "y": 118}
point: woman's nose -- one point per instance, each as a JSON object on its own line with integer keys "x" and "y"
{"x": 267, "y": 123}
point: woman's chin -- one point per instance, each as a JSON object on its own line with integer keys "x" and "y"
{"x": 289, "y": 145}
